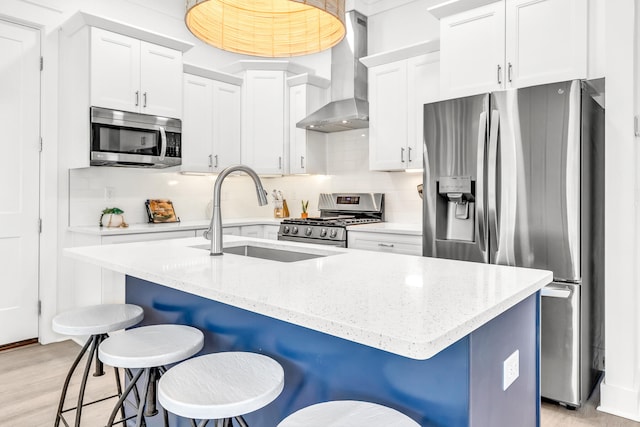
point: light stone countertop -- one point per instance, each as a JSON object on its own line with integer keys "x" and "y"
{"x": 172, "y": 226}
{"x": 407, "y": 305}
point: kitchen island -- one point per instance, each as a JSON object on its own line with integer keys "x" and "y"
{"x": 426, "y": 336}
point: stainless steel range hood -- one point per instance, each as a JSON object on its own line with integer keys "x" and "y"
{"x": 349, "y": 108}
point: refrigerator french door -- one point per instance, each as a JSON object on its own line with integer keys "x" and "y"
{"x": 512, "y": 178}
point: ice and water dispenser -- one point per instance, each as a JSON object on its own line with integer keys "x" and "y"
{"x": 455, "y": 211}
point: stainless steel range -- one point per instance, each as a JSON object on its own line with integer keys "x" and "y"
{"x": 337, "y": 211}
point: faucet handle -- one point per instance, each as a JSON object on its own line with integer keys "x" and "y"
{"x": 207, "y": 234}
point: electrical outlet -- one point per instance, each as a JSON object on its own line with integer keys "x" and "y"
{"x": 108, "y": 193}
{"x": 511, "y": 369}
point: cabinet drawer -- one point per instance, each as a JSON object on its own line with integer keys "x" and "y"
{"x": 394, "y": 243}
{"x": 147, "y": 237}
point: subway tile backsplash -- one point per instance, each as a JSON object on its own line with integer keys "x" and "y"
{"x": 93, "y": 189}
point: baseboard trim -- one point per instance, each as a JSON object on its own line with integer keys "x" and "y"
{"x": 622, "y": 402}
{"x": 18, "y": 344}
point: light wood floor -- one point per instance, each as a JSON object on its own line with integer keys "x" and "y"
{"x": 31, "y": 378}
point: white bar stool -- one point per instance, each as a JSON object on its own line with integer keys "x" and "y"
{"x": 96, "y": 321}
{"x": 148, "y": 348}
{"x": 221, "y": 387}
{"x": 351, "y": 413}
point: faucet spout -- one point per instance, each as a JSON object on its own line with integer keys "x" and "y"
{"x": 214, "y": 233}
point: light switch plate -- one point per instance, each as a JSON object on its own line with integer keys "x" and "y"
{"x": 511, "y": 369}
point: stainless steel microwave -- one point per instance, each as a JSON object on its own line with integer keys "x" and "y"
{"x": 121, "y": 138}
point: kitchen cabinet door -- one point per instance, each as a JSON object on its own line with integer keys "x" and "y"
{"x": 385, "y": 242}
{"x": 263, "y": 126}
{"x": 197, "y": 127}
{"x": 423, "y": 80}
{"x": 513, "y": 44}
{"x": 131, "y": 75}
{"x": 472, "y": 47}
{"x": 115, "y": 71}
{"x": 307, "y": 149}
{"x": 397, "y": 93}
{"x": 160, "y": 80}
{"x": 388, "y": 116}
{"x": 211, "y": 124}
{"x": 227, "y": 112}
{"x": 546, "y": 41}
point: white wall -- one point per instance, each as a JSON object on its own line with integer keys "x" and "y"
{"x": 402, "y": 26}
{"x": 620, "y": 390}
{"x": 348, "y": 154}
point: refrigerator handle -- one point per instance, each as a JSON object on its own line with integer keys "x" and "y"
{"x": 572, "y": 190}
{"x": 492, "y": 169}
{"x": 555, "y": 292}
{"x": 482, "y": 138}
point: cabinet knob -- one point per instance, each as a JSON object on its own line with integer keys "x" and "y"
{"x": 499, "y": 74}
{"x": 509, "y": 71}
{"x": 137, "y": 98}
{"x": 402, "y": 154}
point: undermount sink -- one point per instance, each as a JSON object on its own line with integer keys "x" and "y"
{"x": 270, "y": 253}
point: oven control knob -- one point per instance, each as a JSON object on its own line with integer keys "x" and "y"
{"x": 308, "y": 231}
{"x": 334, "y": 233}
{"x": 294, "y": 230}
{"x": 285, "y": 229}
{"x": 323, "y": 232}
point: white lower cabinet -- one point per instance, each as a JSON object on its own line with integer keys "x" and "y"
{"x": 260, "y": 231}
{"x": 95, "y": 285}
{"x": 407, "y": 244}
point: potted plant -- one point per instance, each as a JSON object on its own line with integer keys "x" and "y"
{"x": 114, "y": 218}
{"x": 305, "y": 206}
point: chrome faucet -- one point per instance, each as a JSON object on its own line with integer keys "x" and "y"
{"x": 214, "y": 233}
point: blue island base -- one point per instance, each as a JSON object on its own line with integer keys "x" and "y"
{"x": 460, "y": 386}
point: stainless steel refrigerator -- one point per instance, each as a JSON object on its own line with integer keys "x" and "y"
{"x": 516, "y": 178}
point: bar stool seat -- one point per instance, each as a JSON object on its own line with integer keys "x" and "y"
{"x": 148, "y": 346}
{"x": 96, "y": 321}
{"x": 352, "y": 413}
{"x": 221, "y": 386}
{"x": 148, "y": 349}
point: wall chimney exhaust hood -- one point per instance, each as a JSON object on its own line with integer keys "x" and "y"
{"x": 349, "y": 108}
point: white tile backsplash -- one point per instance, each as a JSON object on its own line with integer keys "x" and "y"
{"x": 348, "y": 160}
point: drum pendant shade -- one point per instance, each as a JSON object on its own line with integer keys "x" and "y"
{"x": 268, "y": 28}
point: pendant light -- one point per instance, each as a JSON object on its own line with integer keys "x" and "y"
{"x": 268, "y": 28}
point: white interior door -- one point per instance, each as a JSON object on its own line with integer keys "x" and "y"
{"x": 19, "y": 181}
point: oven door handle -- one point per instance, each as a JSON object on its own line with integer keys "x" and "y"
{"x": 163, "y": 142}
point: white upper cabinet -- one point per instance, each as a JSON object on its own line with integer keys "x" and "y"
{"x": 472, "y": 51}
{"x": 511, "y": 44}
{"x": 112, "y": 69}
{"x": 211, "y": 124}
{"x": 264, "y": 125}
{"x": 133, "y": 75}
{"x": 397, "y": 92}
{"x": 307, "y": 149}
{"x": 546, "y": 41}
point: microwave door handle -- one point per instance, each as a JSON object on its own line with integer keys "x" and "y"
{"x": 482, "y": 138}
{"x": 163, "y": 143}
